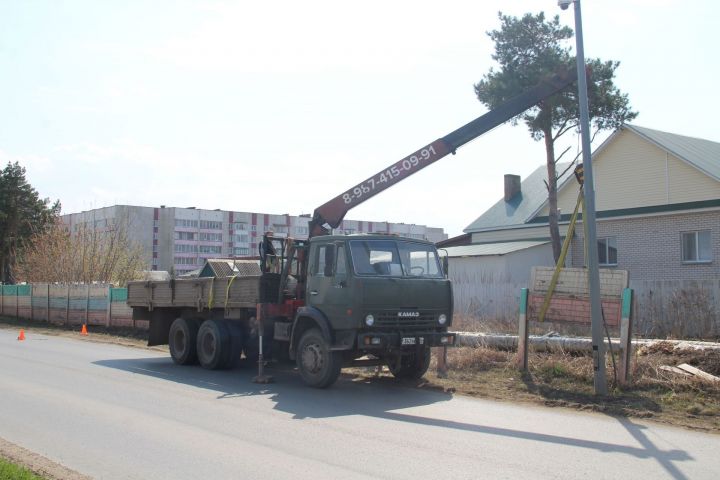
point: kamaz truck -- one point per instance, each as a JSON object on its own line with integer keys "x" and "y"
{"x": 331, "y": 301}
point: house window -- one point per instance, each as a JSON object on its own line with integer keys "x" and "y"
{"x": 210, "y": 237}
{"x": 181, "y": 222}
{"x": 696, "y": 247}
{"x": 184, "y": 236}
{"x": 210, "y": 225}
{"x": 607, "y": 251}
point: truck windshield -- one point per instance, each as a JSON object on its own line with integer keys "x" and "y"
{"x": 394, "y": 258}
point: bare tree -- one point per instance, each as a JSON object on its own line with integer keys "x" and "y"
{"x": 87, "y": 254}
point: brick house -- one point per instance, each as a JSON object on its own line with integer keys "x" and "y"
{"x": 658, "y": 217}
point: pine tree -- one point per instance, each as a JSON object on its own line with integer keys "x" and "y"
{"x": 528, "y": 49}
{"x": 22, "y": 213}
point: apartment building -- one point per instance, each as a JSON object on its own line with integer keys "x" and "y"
{"x": 180, "y": 239}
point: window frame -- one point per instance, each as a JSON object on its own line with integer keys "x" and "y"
{"x": 607, "y": 251}
{"x": 697, "y": 260}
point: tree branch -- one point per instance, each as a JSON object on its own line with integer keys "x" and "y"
{"x": 561, "y": 155}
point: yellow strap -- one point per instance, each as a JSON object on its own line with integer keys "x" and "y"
{"x": 561, "y": 260}
{"x": 227, "y": 290}
{"x": 212, "y": 291}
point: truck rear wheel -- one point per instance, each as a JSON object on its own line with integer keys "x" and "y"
{"x": 411, "y": 366}
{"x": 213, "y": 344}
{"x": 181, "y": 340}
{"x": 318, "y": 365}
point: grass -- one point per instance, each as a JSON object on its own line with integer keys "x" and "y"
{"x": 12, "y": 471}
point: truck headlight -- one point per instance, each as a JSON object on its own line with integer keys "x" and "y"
{"x": 369, "y": 320}
{"x": 442, "y": 319}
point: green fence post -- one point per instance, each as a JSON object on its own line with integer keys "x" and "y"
{"x": 626, "y": 336}
{"x": 522, "y": 359}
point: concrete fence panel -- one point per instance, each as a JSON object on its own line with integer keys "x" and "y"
{"x": 120, "y": 312}
{"x": 9, "y": 303}
{"x": 40, "y": 301}
{"x": 69, "y": 304}
{"x": 78, "y": 302}
{"x": 97, "y": 304}
{"x": 59, "y": 304}
{"x": 24, "y": 301}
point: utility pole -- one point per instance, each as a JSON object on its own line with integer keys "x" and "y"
{"x": 596, "y": 319}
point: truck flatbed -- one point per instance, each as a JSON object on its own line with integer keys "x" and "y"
{"x": 199, "y": 293}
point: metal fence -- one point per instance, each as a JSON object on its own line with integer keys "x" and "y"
{"x": 69, "y": 304}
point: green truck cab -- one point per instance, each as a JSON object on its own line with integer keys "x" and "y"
{"x": 371, "y": 299}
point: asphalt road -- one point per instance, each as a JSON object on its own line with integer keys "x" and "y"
{"x": 116, "y": 412}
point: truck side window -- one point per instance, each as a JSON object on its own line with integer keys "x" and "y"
{"x": 329, "y": 260}
{"x": 324, "y": 262}
{"x": 341, "y": 265}
{"x": 319, "y": 264}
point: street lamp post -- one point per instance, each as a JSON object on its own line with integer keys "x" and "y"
{"x": 596, "y": 319}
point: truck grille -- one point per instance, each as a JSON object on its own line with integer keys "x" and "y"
{"x": 391, "y": 319}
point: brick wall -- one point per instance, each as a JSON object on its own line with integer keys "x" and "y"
{"x": 649, "y": 248}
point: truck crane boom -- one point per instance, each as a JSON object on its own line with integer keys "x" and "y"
{"x": 330, "y": 215}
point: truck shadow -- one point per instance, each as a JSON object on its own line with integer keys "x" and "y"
{"x": 382, "y": 398}
{"x": 349, "y": 396}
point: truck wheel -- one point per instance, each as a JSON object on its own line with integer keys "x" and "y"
{"x": 411, "y": 366}
{"x": 213, "y": 344}
{"x": 181, "y": 339}
{"x": 318, "y": 365}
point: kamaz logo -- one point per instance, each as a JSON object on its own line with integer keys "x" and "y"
{"x": 408, "y": 314}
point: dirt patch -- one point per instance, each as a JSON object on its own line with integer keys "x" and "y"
{"x": 38, "y": 464}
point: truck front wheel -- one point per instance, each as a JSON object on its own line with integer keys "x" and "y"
{"x": 181, "y": 340}
{"x": 411, "y": 366}
{"x": 318, "y": 365}
{"x": 213, "y": 344}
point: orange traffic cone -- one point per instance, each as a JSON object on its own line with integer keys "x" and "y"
{"x": 21, "y": 337}
{"x": 84, "y": 330}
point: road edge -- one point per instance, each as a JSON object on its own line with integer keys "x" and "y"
{"x": 38, "y": 464}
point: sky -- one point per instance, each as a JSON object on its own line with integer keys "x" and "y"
{"x": 280, "y": 106}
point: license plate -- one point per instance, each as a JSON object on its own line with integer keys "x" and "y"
{"x": 408, "y": 341}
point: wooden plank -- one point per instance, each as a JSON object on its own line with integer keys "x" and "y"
{"x": 671, "y": 369}
{"x": 699, "y": 373}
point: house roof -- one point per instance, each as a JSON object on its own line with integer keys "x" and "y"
{"x": 701, "y": 154}
{"x": 523, "y": 206}
{"x": 464, "y": 239}
{"x": 489, "y": 249}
